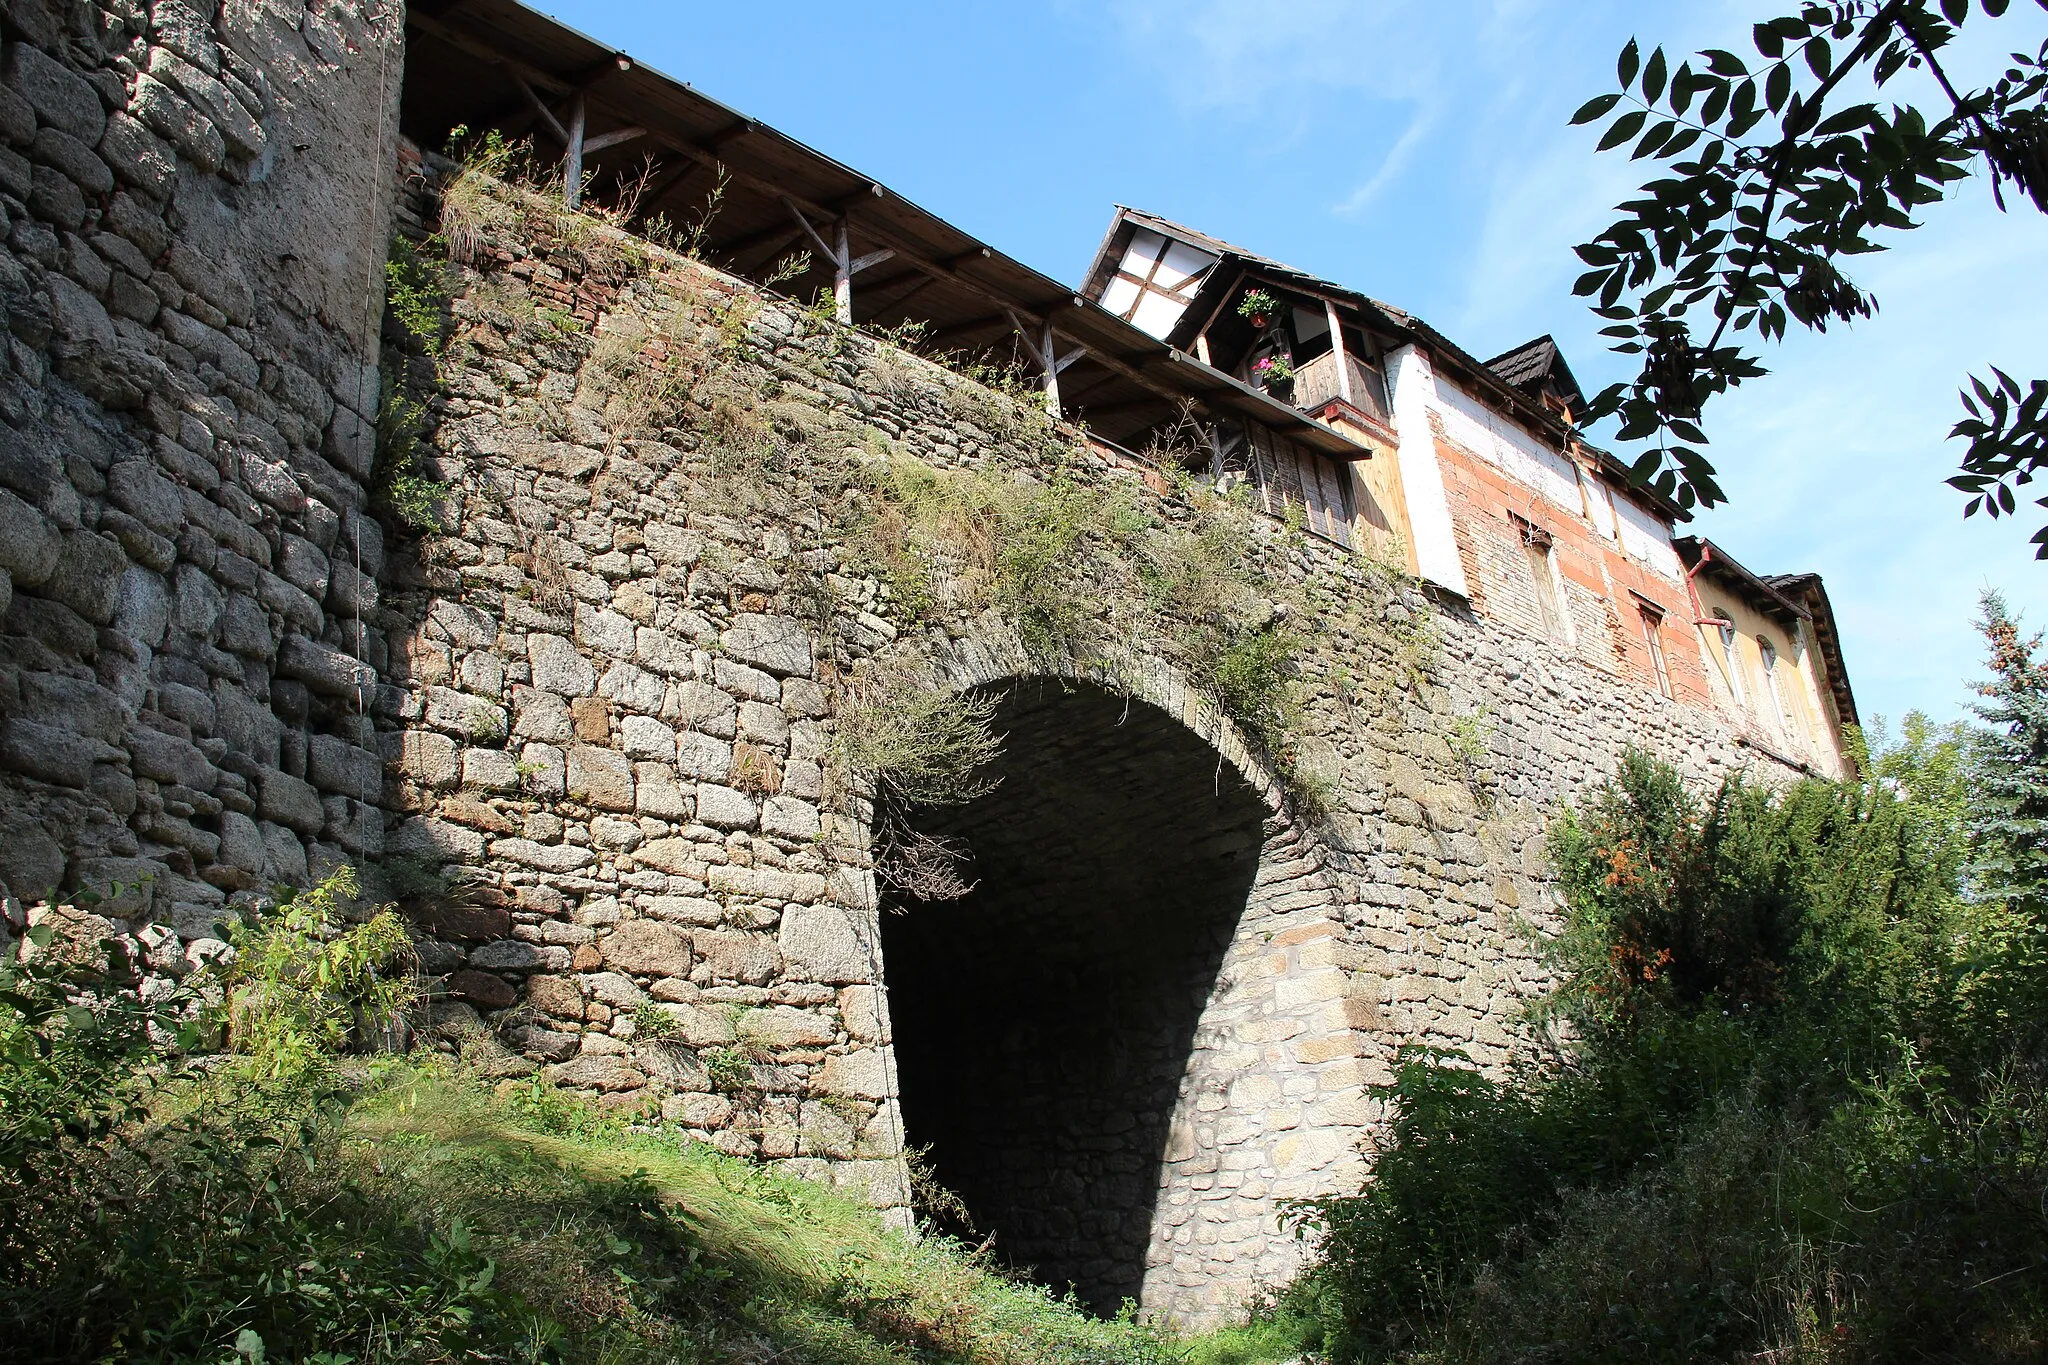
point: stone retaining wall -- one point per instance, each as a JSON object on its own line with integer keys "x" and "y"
{"x": 195, "y": 211}
{"x": 617, "y": 687}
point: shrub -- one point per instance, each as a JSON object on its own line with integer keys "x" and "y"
{"x": 1794, "y": 1117}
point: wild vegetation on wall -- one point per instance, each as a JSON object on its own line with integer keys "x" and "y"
{"x": 1089, "y": 568}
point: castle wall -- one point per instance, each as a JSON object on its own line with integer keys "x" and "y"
{"x": 195, "y": 210}
{"x": 616, "y": 688}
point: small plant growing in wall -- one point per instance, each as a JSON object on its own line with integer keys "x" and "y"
{"x": 653, "y": 1024}
{"x": 1470, "y": 739}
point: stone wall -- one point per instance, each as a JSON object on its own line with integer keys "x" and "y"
{"x": 195, "y": 214}
{"x": 614, "y": 688}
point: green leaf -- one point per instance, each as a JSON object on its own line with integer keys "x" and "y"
{"x": 1623, "y": 128}
{"x": 1767, "y": 41}
{"x": 1955, "y": 11}
{"x": 1820, "y": 58}
{"x": 1625, "y": 68}
{"x": 1725, "y": 63}
{"x": 1777, "y": 86}
{"x": 249, "y": 1346}
{"x": 1654, "y": 76}
{"x": 1596, "y": 107}
{"x": 1653, "y": 140}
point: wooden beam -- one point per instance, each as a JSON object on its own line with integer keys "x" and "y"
{"x": 1337, "y": 347}
{"x": 593, "y": 145}
{"x": 546, "y": 115}
{"x": 572, "y": 159}
{"x": 825, "y": 248}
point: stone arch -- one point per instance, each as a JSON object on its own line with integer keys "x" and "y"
{"x": 1129, "y": 1043}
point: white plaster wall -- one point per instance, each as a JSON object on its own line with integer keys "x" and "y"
{"x": 1413, "y": 382}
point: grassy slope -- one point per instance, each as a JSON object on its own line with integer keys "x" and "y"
{"x": 738, "y": 1263}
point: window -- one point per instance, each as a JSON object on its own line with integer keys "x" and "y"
{"x": 1653, "y": 636}
{"x": 1540, "y": 551}
{"x": 1774, "y": 684}
{"x": 1731, "y": 657}
{"x": 1293, "y": 481}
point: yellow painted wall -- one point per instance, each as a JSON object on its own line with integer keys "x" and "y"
{"x": 1808, "y": 729}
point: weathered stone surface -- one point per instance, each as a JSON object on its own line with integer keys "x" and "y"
{"x": 506, "y": 954}
{"x": 748, "y": 958}
{"x": 782, "y": 1026}
{"x": 724, "y": 808}
{"x": 546, "y": 857}
{"x": 597, "y": 1073}
{"x": 29, "y": 543}
{"x": 558, "y": 667}
{"x": 322, "y": 667}
{"x": 864, "y": 1074}
{"x": 46, "y": 753}
{"x": 445, "y": 917}
{"x": 481, "y": 989}
{"x": 775, "y": 643}
{"x": 290, "y": 801}
{"x": 647, "y": 948}
{"x": 61, "y": 97}
{"x": 600, "y": 777}
{"x": 819, "y": 944}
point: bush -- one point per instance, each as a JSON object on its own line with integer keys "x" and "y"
{"x": 1799, "y": 1115}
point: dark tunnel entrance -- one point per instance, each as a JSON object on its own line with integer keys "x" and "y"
{"x": 1044, "y": 1022}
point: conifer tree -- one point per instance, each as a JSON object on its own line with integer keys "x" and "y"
{"x": 2009, "y": 787}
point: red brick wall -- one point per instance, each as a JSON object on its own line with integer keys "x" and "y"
{"x": 1600, "y": 581}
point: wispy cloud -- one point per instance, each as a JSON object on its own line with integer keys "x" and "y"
{"x": 1392, "y": 165}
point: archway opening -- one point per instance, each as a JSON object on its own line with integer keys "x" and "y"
{"x": 1044, "y": 1022}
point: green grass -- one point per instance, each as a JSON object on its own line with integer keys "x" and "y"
{"x": 728, "y": 1257}
{"x": 409, "y": 1211}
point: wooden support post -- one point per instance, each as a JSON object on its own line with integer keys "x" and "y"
{"x": 1045, "y": 351}
{"x": 842, "y": 276}
{"x": 1337, "y": 350}
{"x": 839, "y": 251}
{"x": 572, "y": 160}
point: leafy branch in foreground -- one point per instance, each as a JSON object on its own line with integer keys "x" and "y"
{"x": 1773, "y": 175}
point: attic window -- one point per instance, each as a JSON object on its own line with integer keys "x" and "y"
{"x": 1155, "y": 281}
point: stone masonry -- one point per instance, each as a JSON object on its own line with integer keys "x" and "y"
{"x": 586, "y": 732}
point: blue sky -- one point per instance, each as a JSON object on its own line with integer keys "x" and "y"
{"x": 1420, "y": 153}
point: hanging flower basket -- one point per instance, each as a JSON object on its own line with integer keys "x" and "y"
{"x": 1274, "y": 373}
{"x": 1259, "y": 308}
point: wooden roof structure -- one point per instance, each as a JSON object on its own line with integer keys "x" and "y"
{"x": 1236, "y": 264}
{"x": 497, "y": 64}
